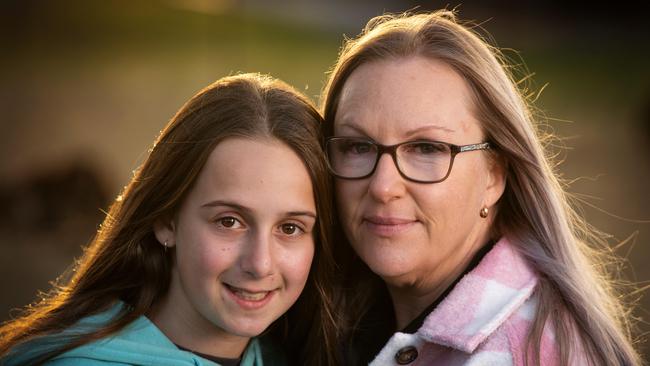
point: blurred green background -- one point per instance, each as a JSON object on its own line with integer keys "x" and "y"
{"x": 86, "y": 86}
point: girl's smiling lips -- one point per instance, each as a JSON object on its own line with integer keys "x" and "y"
{"x": 387, "y": 226}
{"x": 249, "y": 299}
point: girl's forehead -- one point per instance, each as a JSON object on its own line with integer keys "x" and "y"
{"x": 262, "y": 174}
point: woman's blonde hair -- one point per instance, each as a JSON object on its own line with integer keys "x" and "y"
{"x": 575, "y": 292}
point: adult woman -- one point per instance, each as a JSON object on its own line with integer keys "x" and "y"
{"x": 200, "y": 254}
{"x": 484, "y": 263}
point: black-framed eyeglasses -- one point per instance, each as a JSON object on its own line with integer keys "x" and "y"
{"x": 420, "y": 161}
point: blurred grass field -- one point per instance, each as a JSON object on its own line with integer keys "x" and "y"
{"x": 85, "y": 88}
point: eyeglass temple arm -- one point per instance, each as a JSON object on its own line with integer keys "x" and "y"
{"x": 481, "y": 146}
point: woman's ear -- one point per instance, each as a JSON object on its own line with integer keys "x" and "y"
{"x": 496, "y": 183}
{"x": 165, "y": 230}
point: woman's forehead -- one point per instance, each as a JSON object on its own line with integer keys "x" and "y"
{"x": 406, "y": 97}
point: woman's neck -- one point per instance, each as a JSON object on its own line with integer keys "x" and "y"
{"x": 411, "y": 297}
{"x": 410, "y": 301}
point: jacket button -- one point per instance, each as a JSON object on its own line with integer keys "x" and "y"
{"x": 406, "y": 355}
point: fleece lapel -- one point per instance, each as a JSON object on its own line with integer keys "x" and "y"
{"x": 482, "y": 300}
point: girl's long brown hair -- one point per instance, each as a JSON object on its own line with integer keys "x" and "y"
{"x": 125, "y": 262}
{"x": 576, "y": 293}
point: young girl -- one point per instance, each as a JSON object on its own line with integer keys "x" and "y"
{"x": 220, "y": 232}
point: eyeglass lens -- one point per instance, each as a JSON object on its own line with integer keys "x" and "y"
{"x": 418, "y": 160}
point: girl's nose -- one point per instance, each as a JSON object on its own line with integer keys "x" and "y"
{"x": 257, "y": 258}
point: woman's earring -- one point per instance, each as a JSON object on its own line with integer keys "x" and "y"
{"x": 484, "y": 212}
{"x": 165, "y": 245}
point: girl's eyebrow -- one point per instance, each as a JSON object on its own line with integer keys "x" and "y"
{"x": 302, "y": 213}
{"x": 218, "y": 203}
{"x": 239, "y": 207}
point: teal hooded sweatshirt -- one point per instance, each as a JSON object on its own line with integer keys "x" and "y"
{"x": 139, "y": 343}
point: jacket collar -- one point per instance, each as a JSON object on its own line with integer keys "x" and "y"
{"x": 482, "y": 301}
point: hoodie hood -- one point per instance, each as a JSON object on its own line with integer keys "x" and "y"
{"x": 139, "y": 343}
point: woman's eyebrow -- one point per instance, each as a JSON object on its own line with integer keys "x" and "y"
{"x": 352, "y": 126}
{"x": 426, "y": 128}
{"x": 356, "y": 128}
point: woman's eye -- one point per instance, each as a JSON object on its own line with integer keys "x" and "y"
{"x": 361, "y": 148}
{"x": 290, "y": 229}
{"x": 357, "y": 148}
{"x": 426, "y": 148}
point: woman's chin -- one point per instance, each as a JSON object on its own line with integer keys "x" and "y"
{"x": 388, "y": 270}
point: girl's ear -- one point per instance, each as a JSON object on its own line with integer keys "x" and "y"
{"x": 165, "y": 231}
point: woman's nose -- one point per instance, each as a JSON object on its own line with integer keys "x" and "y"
{"x": 386, "y": 183}
{"x": 257, "y": 257}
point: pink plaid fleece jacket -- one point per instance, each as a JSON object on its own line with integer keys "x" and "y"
{"x": 483, "y": 321}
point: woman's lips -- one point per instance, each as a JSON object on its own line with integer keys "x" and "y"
{"x": 249, "y": 299}
{"x": 387, "y": 226}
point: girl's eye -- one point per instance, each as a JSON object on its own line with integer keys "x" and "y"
{"x": 290, "y": 229}
{"x": 229, "y": 222}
